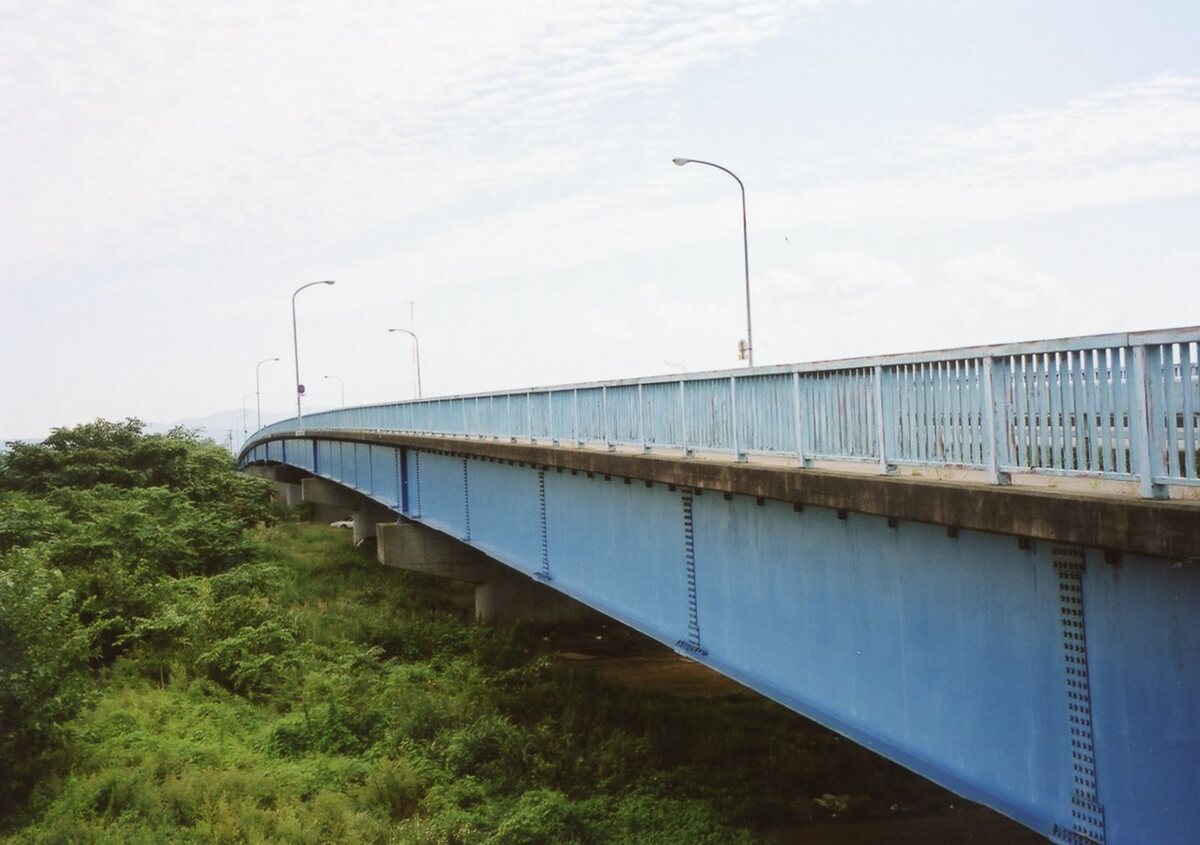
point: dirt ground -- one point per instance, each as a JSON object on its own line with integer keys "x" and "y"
{"x": 626, "y": 658}
{"x": 970, "y": 825}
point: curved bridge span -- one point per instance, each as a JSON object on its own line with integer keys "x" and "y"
{"x": 1031, "y": 646}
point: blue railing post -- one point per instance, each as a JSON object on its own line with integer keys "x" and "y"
{"x": 994, "y": 425}
{"x": 1145, "y": 428}
{"x": 529, "y": 415}
{"x": 883, "y": 423}
{"x": 798, "y": 421}
{"x": 738, "y": 454}
{"x": 575, "y": 417}
{"x": 642, "y": 419}
{"x": 608, "y": 444}
{"x": 683, "y": 429}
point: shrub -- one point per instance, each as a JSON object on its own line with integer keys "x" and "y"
{"x": 44, "y": 653}
{"x": 393, "y": 786}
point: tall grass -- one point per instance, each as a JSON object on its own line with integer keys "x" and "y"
{"x": 313, "y": 696}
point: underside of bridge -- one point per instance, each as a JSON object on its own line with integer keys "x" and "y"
{"x": 1031, "y": 651}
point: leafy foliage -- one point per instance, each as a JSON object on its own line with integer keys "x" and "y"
{"x": 44, "y": 651}
{"x": 278, "y": 685}
{"x": 98, "y": 526}
{"x": 26, "y": 519}
{"x": 122, "y": 456}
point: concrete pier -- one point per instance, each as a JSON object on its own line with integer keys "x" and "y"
{"x": 340, "y": 502}
{"x": 502, "y": 595}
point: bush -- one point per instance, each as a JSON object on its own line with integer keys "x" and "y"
{"x": 394, "y": 786}
{"x": 545, "y": 817}
{"x": 44, "y": 653}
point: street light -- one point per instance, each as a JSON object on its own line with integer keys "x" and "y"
{"x": 258, "y": 389}
{"x": 749, "y": 350}
{"x": 417, "y": 347}
{"x": 343, "y": 386}
{"x": 296, "y": 350}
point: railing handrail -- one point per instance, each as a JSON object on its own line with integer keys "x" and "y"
{"x": 1121, "y": 405}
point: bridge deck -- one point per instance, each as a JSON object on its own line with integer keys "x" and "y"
{"x": 1169, "y": 529}
{"x": 937, "y": 555}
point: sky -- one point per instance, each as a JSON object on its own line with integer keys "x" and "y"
{"x": 497, "y": 177}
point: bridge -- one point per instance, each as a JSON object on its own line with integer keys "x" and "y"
{"x": 982, "y": 563}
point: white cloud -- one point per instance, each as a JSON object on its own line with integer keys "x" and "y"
{"x": 179, "y": 120}
{"x": 1132, "y": 143}
{"x": 1126, "y": 125}
{"x": 842, "y": 277}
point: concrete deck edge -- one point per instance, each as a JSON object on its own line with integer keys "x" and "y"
{"x": 1165, "y": 529}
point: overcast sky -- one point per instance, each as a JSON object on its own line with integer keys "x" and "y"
{"x": 919, "y": 175}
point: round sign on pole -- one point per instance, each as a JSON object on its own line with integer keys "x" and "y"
{"x": 300, "y": 389}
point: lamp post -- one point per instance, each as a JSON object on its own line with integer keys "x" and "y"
{"x": 258, "y": 388}
{"x": 417, "y": 347}
{"x": 342, "y": 384}
{"x": 745, "y": 248}
{"x": 296, "y": 350}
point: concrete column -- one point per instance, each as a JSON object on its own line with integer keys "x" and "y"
{"x": 502, "y": 594}
{"x": 333, "y": 502}
{"x": 365, "y": 522}
{"x": 513, "y": 596}
{"x": 412, "y": 546}
{"x": 290, "y": 493}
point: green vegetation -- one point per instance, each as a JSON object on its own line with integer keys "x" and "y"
{"x": 178, "y": 665}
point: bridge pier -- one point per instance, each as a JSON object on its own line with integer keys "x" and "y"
{"x": 502, "y": 595}
{"x": 511, "y": 596}
{"x": 287, "y": 480}
{"x": 334, "y": 500}
{"x": 291, "y": 494}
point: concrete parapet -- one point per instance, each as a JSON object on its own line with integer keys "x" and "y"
{"x": 502, "y": 595}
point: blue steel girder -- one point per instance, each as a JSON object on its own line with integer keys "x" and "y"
{"x": 1038, "y": 678}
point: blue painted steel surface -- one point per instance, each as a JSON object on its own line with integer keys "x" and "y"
{"x": 1045, "y": 682}
{"x": 1124, "y": 407}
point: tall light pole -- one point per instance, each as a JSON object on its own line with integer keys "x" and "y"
{"x": 258, "y": 388}
{"x": 745, "y": 248}
{"x": 296, "y": 350}
{"x": 417, "y": 347}
{"x": 342, "y": 384}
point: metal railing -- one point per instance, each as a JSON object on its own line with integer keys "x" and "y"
{"x": 1123, "y": 406}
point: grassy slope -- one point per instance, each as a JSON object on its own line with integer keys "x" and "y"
{"x": 393, "y": 718}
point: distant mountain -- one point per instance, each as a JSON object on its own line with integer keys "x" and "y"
{"x": 226, "y": 427}
{"x": 223, "y": 427}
